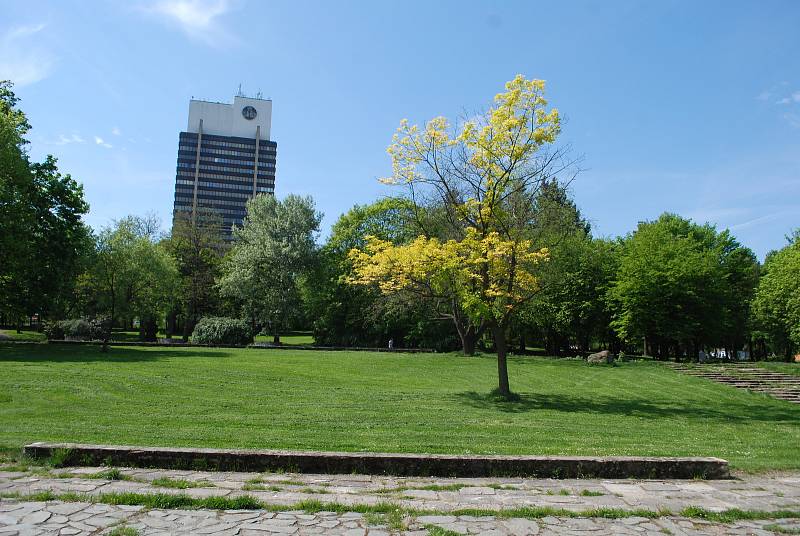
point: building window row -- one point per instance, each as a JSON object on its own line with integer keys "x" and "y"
{"x": 244, "y": 194}
{"x": 214, "y": 202}
{"x": 191, "y": 152}
{"x": 215, "y": 205}
{"x": 228, "y": 144}
{"x": 235, "y": 213}
{"x": 268, "y": 176}
{"x": 214, "y": 150}
{"x": 224, "y": 185}
{"x": 226, "y": 169}
{"x": 247, "y": 160}
{"x": 245, "y": 180}
{"x": 218, "y": 160}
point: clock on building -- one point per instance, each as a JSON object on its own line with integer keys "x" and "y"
{"x": 249, "y": 112}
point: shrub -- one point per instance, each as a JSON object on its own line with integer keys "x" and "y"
{"x": 221, "y": 330}
{"x": 54, "y": 331}
{"x": 83, "y": 329}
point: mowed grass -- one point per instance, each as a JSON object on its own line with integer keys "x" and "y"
{"x": 24, "y": 335}
{"x": 785, "y": 368}
{"x": 293, "y": 338}
{"x": 353, "y": 401}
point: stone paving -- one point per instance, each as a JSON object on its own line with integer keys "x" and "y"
{"x": 764, "y": 492}
{"x": 84, "y": 519}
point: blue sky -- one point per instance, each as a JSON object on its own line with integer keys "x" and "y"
{"x": 690, "y": 107}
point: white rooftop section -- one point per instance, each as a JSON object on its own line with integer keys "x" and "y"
{"x": 235, "y": 119}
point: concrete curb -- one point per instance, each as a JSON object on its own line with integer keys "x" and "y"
{"x": 443, "y": 465}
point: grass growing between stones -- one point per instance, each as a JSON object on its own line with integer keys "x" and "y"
{"x": 735, "y": 514}
{"x": 107, "y": 474}
{"x": 503, "y": 486}
{"x": 780, "y": 529}
{"x": 124, "y": 531}
{"x": 260, "y": 487}
{"x": 434, "y": 530}
{"x": 380, "y": 402}
{"x": 179, "y": 483}
{"x": 392, "y": 514}
{"x": 429, "y": 487}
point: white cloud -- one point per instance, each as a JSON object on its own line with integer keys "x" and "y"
{"x": 116, "y": 131}
{"x": 756, "y": 221}
{"x": 24, "y": 31}
{"x": 102, "y": 143}
{"x": 23, "y": 60}
{"x": 764, "y": 95}
{"x": 199, "y": 19}
{"x": 794, "y": 97}
{"x": 72, "y": 138}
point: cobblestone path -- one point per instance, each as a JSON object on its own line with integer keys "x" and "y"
{"x": 18, "y": 517}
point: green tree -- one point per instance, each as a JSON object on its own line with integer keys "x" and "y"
{"x": 739, "y": 270}
{"x": 679, "y": 285}
{"x": 134, "y": 275}
{"x": 347, "y": 315}
{"x": 197, "y": 248}
{"x": 42, "y": 236}
{"x": 571, "y": 307}
{"x": 776, "y": 305}
{"x": 272, "y": 251}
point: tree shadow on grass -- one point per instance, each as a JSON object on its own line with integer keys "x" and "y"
{"x": 55, "y": 353}
{"x": 731, "y": 412}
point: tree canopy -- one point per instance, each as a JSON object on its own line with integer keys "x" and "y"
{"x": 482, "y": 177}
{"x": 42, "y": 235}
{"x": 273, "y": 249}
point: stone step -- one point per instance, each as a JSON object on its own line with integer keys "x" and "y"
{"x": 375, "y": 463}
{"x": 781, "y": 386}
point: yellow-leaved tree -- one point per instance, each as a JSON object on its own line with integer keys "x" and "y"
{"x": 473, "y": 188}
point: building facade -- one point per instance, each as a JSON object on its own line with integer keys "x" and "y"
{"x": 225, "y": 157}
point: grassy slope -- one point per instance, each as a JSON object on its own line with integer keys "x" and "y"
{"x": 786, "y": 368}
{"x": 382, "y": 402}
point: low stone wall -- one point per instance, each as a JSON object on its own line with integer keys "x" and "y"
{"x": 69, "y": 454}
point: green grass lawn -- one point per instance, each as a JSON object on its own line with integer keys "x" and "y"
{"x": 291, "y": 338}
{"x": 119, "y": 335}
{"x": 355, "y": 401}
{"x": 26, "y": 335}
{"x": 302, "y": 338}
{"x": 786, "y": 368}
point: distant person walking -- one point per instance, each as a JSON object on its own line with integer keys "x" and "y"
{"x": 391, "y": 344}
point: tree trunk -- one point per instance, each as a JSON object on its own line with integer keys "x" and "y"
{"x": 104, "y": 347}
{"x": 187, "y": 329}
{"x": 522, "y": 346}
{"x": 468, "y": 339}
{"x": 502, "y": 367}
{"x": 468, "y": 344}
{"x": 150, "y": 329}
{"x": 467, "y": 332}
